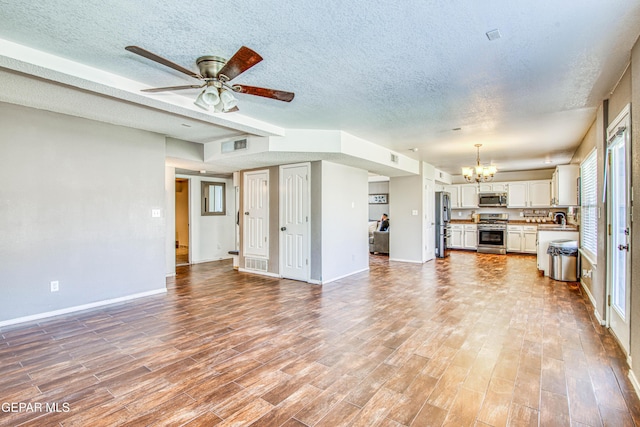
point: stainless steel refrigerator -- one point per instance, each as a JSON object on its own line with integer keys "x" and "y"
{"x": 443, "y": 216}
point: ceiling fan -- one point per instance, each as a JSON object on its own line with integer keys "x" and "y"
{"x": 216, "y": 73}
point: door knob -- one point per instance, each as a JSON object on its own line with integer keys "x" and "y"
{"x": 246, "y": 213}
{"x": 283, "y": 228}
{"x": 623, "y": 247}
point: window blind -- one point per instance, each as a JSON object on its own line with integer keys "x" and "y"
{"x": 589, "y": 204}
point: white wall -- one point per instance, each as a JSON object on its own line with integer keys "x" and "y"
{"x": 528, "y": 175}
{"x": 212, "y": 237}
{"x": 344, "y": 235}
{"x": 170, "y": 208}
{"x": 75, "y": 206}
{"x": 405, "y": 218}
{"x": 376, "y": 210}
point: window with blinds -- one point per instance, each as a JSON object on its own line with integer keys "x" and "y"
{"x": 589, "y": 205}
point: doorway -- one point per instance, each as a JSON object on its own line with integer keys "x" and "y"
{"x": 619, "y": 228}
{"x": 182, "y": 222}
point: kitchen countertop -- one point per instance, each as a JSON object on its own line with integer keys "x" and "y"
{"x": 557, "y": 227}
{"x": 542, "y": 226}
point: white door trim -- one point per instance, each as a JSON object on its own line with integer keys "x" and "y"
{"x": 622, "y": 123}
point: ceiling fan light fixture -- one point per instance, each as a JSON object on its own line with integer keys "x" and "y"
{"x": 228, "y": 100}
{"x": 211, "y": 95}
{"x": 200, "y": 101}
{"x": 216, "y": 72}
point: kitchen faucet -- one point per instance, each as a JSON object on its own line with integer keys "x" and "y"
{"x": 563, "y": 218}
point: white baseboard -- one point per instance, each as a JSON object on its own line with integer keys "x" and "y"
{"x": 333, "y": 279}
{"x": 80, "y": 307}
{"x": 634, "y": 382}
{"x": 261, "y": 273}
{"x": 593, "y": 303}
{"x": 413, "y": 261}
{"x": 202, "y": 261}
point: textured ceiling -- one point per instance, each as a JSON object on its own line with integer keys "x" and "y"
{"x": 399, "y": 74}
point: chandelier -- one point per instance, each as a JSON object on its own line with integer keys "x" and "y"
{"x": 482, "y": 173}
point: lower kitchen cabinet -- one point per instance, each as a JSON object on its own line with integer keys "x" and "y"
{"x": 522, "y": 238}
{"x": 457, "y": 230}
{"x": 463, "y": 236}
{"x": 470, "y": 237}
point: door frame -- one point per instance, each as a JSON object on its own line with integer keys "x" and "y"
{"x": 623, "y": 120}
{"x": 175, "y": 216}
{"x": 281, "y": 240}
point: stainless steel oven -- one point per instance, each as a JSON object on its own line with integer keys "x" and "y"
{"x": 492, "y": 233}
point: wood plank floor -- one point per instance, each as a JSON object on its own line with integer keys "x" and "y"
{"x": 475, "y": 339}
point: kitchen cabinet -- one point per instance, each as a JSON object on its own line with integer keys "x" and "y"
{"x": 530, "y": 234}
{"x": 468, "y": 196}
{"x": 522, "y": 238}
{"x": 493, "y": 187}
{"x": 546, "y": 236}
{"x": 457, "y": 230}
{"x": 514, "y": 238}
{"x": 539, "y": 194}
{"x": 470, "y": 237}
{"x": 454, "y": 191}
{"x": 529, "y": 194}
{"x": 564, "y": 185}
{"x": 463, "y": 236}
{"x": 517, "y": 194}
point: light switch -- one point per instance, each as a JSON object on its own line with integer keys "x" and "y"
{"x": 414, "y": 212}
{"x": 156, "y": 213}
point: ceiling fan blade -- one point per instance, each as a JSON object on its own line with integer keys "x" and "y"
{"x": 280, "y": 95}
{"x": 160, "y": 60}
{"x": 165, "y": 89}
{"x": 240, "y": 62}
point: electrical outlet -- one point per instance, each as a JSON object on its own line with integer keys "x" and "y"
{"x": 55, "y": 286}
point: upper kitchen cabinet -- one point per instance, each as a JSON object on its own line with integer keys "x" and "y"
{"x": 539, "y": 194}
{"x": 493, "y": 187}
{"x": 454, "y": 192}
{"x": 564, "y": 185}
{"x": 469, "y": 196}
{"x": 529, "y": 194}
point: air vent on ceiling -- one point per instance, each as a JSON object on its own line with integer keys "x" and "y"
{"x": 394, "y": 158}
{"x": 494, "y": 34}
{"x": 230, "y": 146}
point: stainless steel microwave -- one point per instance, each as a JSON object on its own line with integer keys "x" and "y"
{"x": 492, "y": 199}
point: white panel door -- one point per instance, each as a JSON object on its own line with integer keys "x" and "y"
{"x": 294, "y": 222}
{"x": 256, "y": 214}
{"x": 620, "y": 232}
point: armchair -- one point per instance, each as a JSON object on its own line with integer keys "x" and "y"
{"x": 379, "y": 242}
